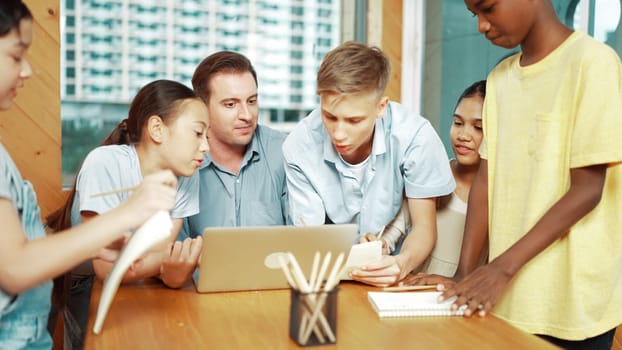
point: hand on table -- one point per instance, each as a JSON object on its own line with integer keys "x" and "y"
{"x": 424, "y": 279}
{"x": 479, "y": 290}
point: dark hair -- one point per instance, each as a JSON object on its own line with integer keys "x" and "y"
{"x": 219, "y": 62}
{"x": 476, "y": 89}
{"x": 353, "y": 67}
{"x": 162, "y": 98}
{"x": 11, "y": 14}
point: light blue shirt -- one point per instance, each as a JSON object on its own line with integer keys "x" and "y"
{"x": 256, "y": 196}
{"x": 112, "y": 167}
{"x": 407, "y": 157}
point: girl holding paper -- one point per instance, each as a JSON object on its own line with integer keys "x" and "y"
{"x": 29, "y": 258}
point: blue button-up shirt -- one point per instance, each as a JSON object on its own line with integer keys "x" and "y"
{"x": 256, "y": 196}
{"x": 407, "y": 157}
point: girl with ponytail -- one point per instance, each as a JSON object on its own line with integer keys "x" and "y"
{"x": 165, "y": 129}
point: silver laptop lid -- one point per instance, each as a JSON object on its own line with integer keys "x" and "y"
{"x": 234, "y": 258}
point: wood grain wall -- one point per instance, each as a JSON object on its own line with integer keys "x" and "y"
{"x": 31, "y": 129}
{"x": 384, "y": 30}
{"x": 617, "y": 341}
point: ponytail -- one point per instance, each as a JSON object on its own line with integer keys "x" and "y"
{"x": 160, "y": 97}
{"x": 60, "y": 219}
{"x": 120, "y": 135}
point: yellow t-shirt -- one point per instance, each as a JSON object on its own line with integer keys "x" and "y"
{"x": 539, "y": 122}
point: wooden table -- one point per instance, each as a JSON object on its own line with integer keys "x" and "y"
{"x": 150, "y": 316}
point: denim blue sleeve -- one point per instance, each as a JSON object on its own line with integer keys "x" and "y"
{"x": 5, "y": 192}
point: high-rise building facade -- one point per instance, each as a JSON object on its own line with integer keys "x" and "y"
{"x": 113, "y": 47}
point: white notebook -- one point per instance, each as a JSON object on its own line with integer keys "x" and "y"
{"x": 408, "y": 304}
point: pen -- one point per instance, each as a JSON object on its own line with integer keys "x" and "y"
{"x": 381, "y": 233}
{"x": 120, "y": 190}
{"x": 408, "y": 288}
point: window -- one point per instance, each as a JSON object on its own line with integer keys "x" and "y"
{"x": 101, "y": 78}
{"x": 599, "y": 19}
{"x": 464, "y": 56}
{"x": 298, "y": 11}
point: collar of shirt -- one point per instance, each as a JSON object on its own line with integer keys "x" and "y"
{"x": 379, "y": 145}
{"x": 252, "y": 154}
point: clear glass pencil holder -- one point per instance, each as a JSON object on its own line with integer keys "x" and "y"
{"x": 313, "y": 317}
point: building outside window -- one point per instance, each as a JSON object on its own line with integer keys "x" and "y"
{"x": 111, "y": 48}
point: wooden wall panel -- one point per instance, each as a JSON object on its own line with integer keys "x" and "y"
{"x": 384, "y": 30}
{"x": 392, "y": 44}
{"x": 31, "y": 129}
{"x": 617, "y": 341}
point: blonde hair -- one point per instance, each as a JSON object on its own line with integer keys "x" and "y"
{"x": 352, "y": 68}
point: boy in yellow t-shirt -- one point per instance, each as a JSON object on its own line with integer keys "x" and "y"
{"x": 548, "y": 195}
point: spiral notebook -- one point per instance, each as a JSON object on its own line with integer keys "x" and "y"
{"x": 410, "y": 304}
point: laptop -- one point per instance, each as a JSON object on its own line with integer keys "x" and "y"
{"x": 246, "y": 258}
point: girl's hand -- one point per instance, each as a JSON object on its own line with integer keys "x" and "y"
{"x": 156, "y": 192}
{"x": 181, "y": 261}
{"x": 113, "y": 250}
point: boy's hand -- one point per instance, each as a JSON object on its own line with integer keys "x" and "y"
{"x": 382, "y": 273}
{"x": 182, "y": 259}
{"x": 479, "y": 290}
